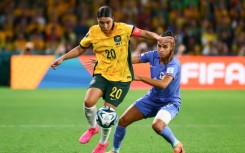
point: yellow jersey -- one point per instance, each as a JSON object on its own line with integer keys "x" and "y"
{"x": 112, "y": 51}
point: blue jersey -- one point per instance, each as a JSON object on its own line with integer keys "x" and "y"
{"x": 172, "y": 92}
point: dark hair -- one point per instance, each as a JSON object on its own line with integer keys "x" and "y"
{"x": 167, "y": 33}
{"x": 104, "y": 11}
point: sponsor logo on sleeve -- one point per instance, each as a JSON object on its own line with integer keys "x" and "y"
{"x": 170, "y": 70}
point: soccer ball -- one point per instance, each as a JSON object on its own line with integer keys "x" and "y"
{"x": 106, "y": 117}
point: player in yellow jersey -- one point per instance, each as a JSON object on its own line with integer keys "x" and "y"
{"x": 113, "y": 71}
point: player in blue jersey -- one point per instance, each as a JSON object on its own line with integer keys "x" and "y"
{"x": 163, "y": 99}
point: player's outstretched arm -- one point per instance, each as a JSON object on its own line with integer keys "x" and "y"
{"x": 75, "y": 52}
{"x": 156, "y": 83}
{"x": 153, "y": 36}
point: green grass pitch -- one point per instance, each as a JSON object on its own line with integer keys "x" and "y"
{"x": 52, "y": 120}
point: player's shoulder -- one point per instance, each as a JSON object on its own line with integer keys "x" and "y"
{"x": 123, "y": 25}
{"x": 175, "y": 60}
{"x": 120, "y": 23}
{"x": 94, "y": 29}
{"x": 151, "y": 55}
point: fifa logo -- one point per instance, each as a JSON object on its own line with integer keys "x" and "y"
{"x": 118, "y": 40}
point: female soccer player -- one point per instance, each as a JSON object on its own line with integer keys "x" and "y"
{"x": 113, "y": 71}
{"x": 162, "y": 101}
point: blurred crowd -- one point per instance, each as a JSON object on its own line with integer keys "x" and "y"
{"x": 202, "y": 27}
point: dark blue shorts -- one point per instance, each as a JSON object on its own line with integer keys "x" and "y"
{"x": 149, "y": 108}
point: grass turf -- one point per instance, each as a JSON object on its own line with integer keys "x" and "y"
{"x": 52, "y": 120}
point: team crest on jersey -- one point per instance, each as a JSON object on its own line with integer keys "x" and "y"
{"x": 118, "y": 40}
{"x": 161, "y": 75}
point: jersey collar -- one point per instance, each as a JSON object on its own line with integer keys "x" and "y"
{"x": 113, "y": 26}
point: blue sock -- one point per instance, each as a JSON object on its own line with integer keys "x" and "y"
{"x": 168, "y": 135}
{"x": 118, "y": 137}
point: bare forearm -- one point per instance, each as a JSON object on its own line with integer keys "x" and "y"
{"x": 135, "y": 60}
{"x": 152, "y": 82}
{"x": 75, "y": 52}
{"x": 153, "y": 36}
{"x": 150, "y": 35}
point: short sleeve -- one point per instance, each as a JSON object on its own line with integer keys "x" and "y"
{"x": 145, "y": 57}
{"x": 129, "y": 29}
{"x": 172, "y": 70}
{"x": 86, "y": 41}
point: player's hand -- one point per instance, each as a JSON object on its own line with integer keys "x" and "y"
{"x": 166, "y": 39}
{"x": 56, "y": 63}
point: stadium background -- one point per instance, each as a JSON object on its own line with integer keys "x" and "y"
{"x": 210, "y": 27}
{"x": 53, "y": 27}
{"x": 210, "y": 43}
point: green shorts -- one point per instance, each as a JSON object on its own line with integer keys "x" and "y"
{"x": 113, "y": 91}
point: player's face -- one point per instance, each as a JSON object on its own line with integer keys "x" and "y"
{"x": 164, "y": 49}
{"x": 105, "y": 24}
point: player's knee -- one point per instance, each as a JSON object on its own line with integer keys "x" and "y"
{"x": 88, "y": 102}
{"x": 123, "y": 121}
{"x": 158, "y": 126}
